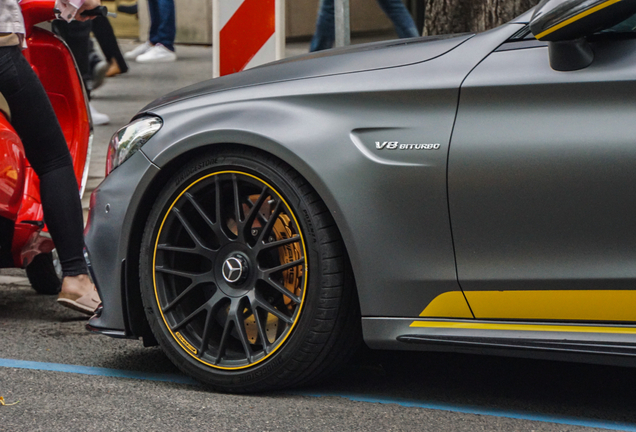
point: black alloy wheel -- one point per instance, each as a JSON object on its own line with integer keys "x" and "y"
{"x": 234, "y": 275}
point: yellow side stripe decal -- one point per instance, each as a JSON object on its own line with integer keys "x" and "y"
{"x": 451, "y": 304}
{"x": 537, "y": 305}
{"x": 576, "y": 18}
{"x": 522, "y": 327}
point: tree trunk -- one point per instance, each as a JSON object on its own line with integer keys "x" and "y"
{"x": 459, "y": 16}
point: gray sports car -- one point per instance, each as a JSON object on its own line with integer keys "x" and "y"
{"x": 474, "y": 193}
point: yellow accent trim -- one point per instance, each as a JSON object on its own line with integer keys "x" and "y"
{"x": 187, "y": 344}
{"x": 575, "y": 305}
{"x": 523, "y": 327}
{"x": 154, "y": 278}
{"x": 450, "y": 304}
{"x": 576, "y": 18}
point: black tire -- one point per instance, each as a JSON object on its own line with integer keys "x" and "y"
{"x": 298, "y": 296}
{"x": 42, "y": 275}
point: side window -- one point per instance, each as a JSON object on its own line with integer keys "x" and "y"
{"x": 523, "y": 39}
{"x": 627, "y": 27}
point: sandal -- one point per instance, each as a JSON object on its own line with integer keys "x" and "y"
{"x": 85, "y": 304}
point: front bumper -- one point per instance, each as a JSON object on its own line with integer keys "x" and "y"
{"x": 114, "y": 205}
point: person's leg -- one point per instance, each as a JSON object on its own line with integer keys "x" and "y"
{"x": 402, "y": 19}
{"x": 155, "y": 19}
{"x": 105, "y": 35}
{"x": 128, "y": 9}
{"x": 35, "y": 122}
{"x": 166, "y": 29}
{"x": 76, "y": 34}
{"x": 325, "y": 27}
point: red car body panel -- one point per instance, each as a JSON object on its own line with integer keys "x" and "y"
{"x": 55, "y": 67}
{"x": 12, "y": 170}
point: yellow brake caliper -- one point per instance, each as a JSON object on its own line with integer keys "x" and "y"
{"x": 291, "y": 279}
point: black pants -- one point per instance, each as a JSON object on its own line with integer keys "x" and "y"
{"x": 34, "y": 120}
{"x": 105, "y": 35}
{"x": 77, "y": 35}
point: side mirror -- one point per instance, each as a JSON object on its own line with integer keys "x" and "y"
{"x": 565, "y": 25}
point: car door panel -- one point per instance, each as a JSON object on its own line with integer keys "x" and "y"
{"x": 542, "y": 182}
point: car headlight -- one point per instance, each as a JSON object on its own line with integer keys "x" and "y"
{"x": 129, "y": 139}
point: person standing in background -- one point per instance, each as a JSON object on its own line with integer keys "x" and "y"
{"x": 325, "y": 28}
{"x": 160, "y": 45}
{"x": 103, "y": 31}
{"x": 77, "y": 34}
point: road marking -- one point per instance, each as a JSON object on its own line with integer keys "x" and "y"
{"x": 465, "y": 409}
{"x": 408, "y": 403}
{"x": 89, "y": 370}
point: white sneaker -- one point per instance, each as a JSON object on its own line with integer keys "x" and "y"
{"x": 98, "y": 118}
{"x": 131, "y": 55}
{"x": 157, "y": 54}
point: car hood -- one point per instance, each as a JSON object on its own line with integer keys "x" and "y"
{"x": 357, "y": 58}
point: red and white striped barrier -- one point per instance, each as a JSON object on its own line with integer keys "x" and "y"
{"x": 246, "y": 33}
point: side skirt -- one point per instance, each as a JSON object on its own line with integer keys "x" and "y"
{"x": 588, "y": 343}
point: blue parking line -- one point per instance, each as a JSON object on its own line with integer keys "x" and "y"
{"x": 463, "y": 409}
{"x": 88, "y": 370}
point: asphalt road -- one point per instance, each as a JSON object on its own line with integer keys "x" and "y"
{"x": 378, "y": 391}
{"x": 61, "y": 378}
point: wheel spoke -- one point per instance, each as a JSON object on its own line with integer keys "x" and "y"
{"x": 258, "y": 215}
{"x": 206, "y": 333}
{"x": 249, "y": 220}
{"x": 216, "y": 301}
{"x": 180, "y": 297}
{"x": 185, "y": 274}
{"x": 226, "y": 334}
{"x": 271, "y": 309}
{"x": 279, "y": 243}
{"x": 198, "y": 208}
{"x": 222, "y": 230}
{"x": 167, "y": 247}
{"x": 283, "y": 267}
{"x": 262, "y": 331}
{"x": 189, "y": 318}
{"x": 284, "y": 291}
{"x": 200, "y": 245}
{"x": 240, "y": 329}
{"x": 217, "y": 203}
{"x": 270, "y": 222}
{"x": 237, "y": 203}
{"x": 215, "y": 227}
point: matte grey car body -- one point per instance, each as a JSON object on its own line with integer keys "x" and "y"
{"x": 521, "y": 179}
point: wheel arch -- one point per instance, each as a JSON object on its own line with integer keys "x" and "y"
{"x": 171, "y": 163}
